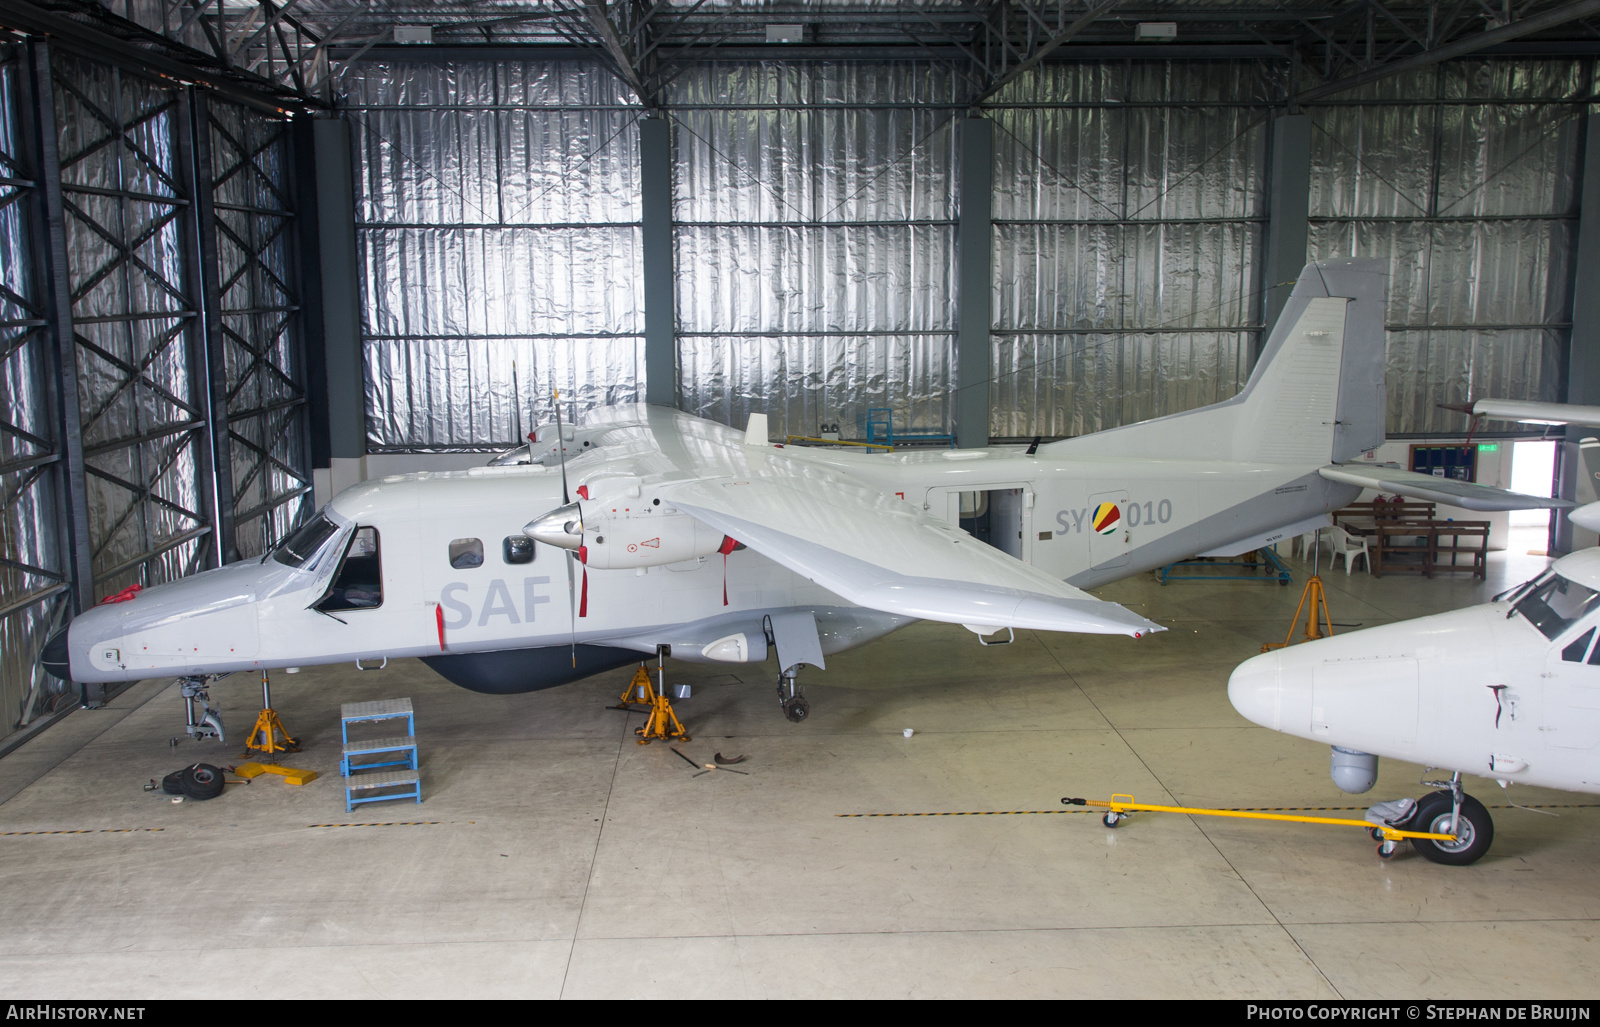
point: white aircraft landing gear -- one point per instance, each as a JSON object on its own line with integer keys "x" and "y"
{"x": 209, "y": 722}
{"x": 790, "y": 700}
{"x": 1452, "y": 811}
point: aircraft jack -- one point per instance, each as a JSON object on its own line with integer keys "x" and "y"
{"x": 641, "y": 691}
{"x": 663, "y": 724}
{"x": 268, "y": 728}
{"x": 1317, "y": 599}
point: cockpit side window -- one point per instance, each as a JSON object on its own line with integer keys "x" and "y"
{"x": 1576, "y": 649}
{"x": 1553, "y": 606}
{"x": 304, "y": 543}
{"x": 358, "y": 585}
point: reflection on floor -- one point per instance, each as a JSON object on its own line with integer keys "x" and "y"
{"x": 555, "y": 857}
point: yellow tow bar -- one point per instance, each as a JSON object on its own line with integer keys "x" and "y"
{"x": 1121, "y": 805}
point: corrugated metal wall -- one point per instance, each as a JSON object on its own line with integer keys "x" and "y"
{"x": 497, "y": 209}
{"x": 1129, "y": 202}
{"x": 815, "y": 211}
{"x": 1465, "y": 178}
{"x": 815, "y": 228}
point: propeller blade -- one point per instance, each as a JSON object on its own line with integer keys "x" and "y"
{"x": 561, "y": 451}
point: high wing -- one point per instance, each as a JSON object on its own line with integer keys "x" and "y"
{"x": 885, "y": 555}
{"x": 866, "y": 546}
{"x": 1464, "y": 494}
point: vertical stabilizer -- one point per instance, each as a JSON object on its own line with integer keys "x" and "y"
{"x": 1316, "y": 395}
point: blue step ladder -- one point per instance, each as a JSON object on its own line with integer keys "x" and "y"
{"x": 366, "y": 754}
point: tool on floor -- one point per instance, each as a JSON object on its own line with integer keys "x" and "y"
{"x": 726, "y": 760}
{"x": 273, "y": 736}
{"x": 663, "y": 723}
{"x": 289, "y": 774}
{"x": 1121, "y": 806}
{"x": 712, "y": 766}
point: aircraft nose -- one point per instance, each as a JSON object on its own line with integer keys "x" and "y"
{"x": 55, "y": 657}
{"x": 1256, "y": 690}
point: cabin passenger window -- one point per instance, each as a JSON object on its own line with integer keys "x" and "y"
{"x": 358, "y": 585}
{"x": 466, "y": 553}
{"x": 517, "y": 549}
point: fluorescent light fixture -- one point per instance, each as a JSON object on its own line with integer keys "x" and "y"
{"x": 413, "y": 33}
{"x": 786, "y": 33}
{"x": 1156, "y": 31}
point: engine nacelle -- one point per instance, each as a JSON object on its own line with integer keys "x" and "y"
{"x": 1353, "y": 771}
{"x": 651, "y": 538}
{"x": 649, "y": 541}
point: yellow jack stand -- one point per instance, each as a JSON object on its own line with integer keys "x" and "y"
{"x": 1318, "y": 601}
{"x": 641, "y": 691}
{"x": 663, "y": 724}
{"x": 268, "y": 728}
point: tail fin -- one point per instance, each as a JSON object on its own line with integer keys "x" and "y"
{"x": 1316, "y": 394}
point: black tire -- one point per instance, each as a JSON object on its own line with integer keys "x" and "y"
{"x": 201, "y": 781}
{"x": 172, "y": 784}
{"x": 1474, "y": 834}
{"x": 1111, "y": 820}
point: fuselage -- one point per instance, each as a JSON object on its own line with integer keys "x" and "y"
{"x": 1489, "y": 690}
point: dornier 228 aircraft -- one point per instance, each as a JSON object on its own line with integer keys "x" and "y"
{"x": 685, "y": 537}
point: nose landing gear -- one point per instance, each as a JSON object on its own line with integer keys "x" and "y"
{"x": 1452, "y": 811}
{"x": 209, "y": 722}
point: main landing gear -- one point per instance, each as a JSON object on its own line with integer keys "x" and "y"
{"x": 790, "y": 700}
{"x": 208, "y": 724}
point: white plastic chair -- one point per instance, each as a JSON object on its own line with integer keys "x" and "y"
{"x": 1306, "y": 544}
{"x": 1349, "y": 546}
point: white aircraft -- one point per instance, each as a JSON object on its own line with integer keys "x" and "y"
{"x": 683, "y": 537}
{"x": 1509, "y": 690}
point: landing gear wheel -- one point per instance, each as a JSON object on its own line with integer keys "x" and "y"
{"x": 1474, "y": 832}
{"x": 201, "y": 781}
{"x": 1111, "y": 820}
{"x": 796, "y": 708}
{"x": 172, "y": 784}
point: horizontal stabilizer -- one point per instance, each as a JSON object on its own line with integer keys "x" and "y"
{"x": 886, "y": 555}
{"x": 1448, "y": 491}
{"x": 1530, "y": 411}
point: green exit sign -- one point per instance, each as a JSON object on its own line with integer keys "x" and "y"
{"x": 1488, "y": 447}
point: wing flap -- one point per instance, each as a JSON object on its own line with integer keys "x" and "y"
{"x": 1464, "y": 494}
{"x": 886, "y": 555}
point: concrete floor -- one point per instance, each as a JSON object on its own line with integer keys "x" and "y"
{"x": 558, "y": 858}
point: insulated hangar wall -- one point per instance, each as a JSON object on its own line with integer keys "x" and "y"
{"x": 155, "y": 419}
{"x": 815, "y": 235}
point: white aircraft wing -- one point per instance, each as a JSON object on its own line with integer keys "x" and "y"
{"x": 885, "y": 554}
{"x": 1465, "y": 494}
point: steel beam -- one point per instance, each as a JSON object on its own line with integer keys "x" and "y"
{"x": 192, "y": 135}
{"x": 975, "y": 257}
{"x": 1459, "y": 48}
{"x": 1583, "y": 353}
{"x": 37, "y": 96}
{"x": 1288, "y": 227}
{"x": 660, "y": 313}
{"x": 346, "y": 397}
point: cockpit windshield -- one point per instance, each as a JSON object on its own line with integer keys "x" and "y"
{"x": 303, "y": 544}
{"x": 1555, "y": 603}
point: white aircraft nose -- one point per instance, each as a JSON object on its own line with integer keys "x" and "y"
{"x": 1256, "y": 690}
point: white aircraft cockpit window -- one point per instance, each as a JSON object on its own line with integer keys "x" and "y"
{"x": 466, "y": 553}
{"x": 517, "y": 549}
{"x": 1575, "y": 650}
{"x": 303, "y": 544}
{"x": 1554, "y": 605}
{"x": 358, "y": 585}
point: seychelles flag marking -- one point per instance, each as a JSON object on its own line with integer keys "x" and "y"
{"x": 1107, "y": 518}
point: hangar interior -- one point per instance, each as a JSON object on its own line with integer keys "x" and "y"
{"x": 252, "y": 253}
